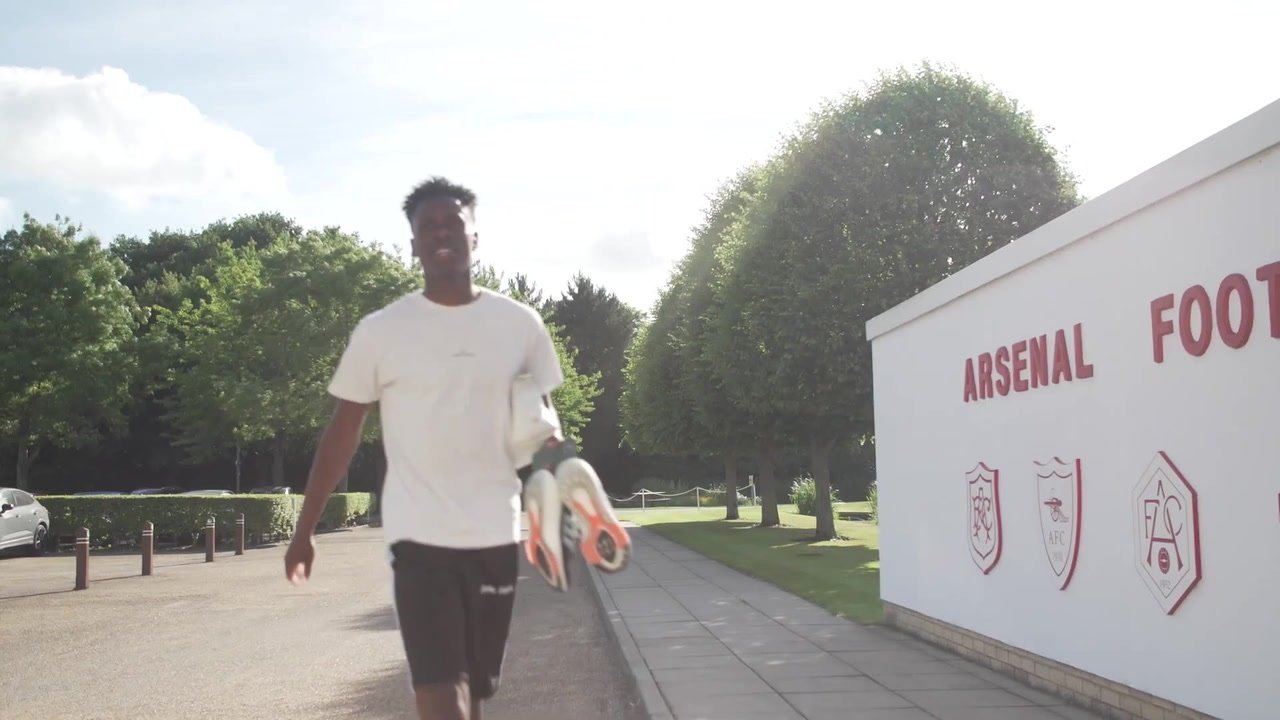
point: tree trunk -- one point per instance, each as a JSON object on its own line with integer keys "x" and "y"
{"x": 768, "y": 487}
{"x": 821, "y": 461}
{"x": 26, "y": 456}
{"x": 277, "y": 460}
{"x": 731, "y": 486}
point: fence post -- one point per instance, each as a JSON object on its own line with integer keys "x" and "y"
{"x": 82, "y": 558}
{"x": 148, "y": 547}
{"x": 240, "y": 534}
{"x": 208, "y": 540}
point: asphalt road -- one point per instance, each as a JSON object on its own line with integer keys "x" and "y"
{"x": 233, "y": 640}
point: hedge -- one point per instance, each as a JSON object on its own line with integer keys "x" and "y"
{"x": 343, "y": 509}
{"x": 121, "y": 517}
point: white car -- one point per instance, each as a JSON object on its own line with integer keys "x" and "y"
{"x": 24, "y": 522}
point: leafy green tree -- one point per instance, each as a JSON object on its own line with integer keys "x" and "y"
{"x": 261, "y": 349}
{"x": 598, "y": 327}
{"x": 675, "y": 400}
{"x": 159, "y": 272}
{"x": 727, "y": 428}
{"x": 877, "y": 197}
{"x": 654, "y": 418}
{"x": 68, "y": 325}
{"x": 528, "y": 292}
{"x": 740, "y": 352}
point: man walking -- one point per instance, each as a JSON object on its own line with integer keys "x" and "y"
{"x": 439, "y": 364}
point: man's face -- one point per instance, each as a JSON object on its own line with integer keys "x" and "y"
{"x": 443, "y": 237}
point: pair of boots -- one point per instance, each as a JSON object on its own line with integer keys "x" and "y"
{"x": 567, "y": 505}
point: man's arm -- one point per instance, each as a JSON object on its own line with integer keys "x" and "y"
{"x": 355, "y": 385}
{"x": 331, "y": 461}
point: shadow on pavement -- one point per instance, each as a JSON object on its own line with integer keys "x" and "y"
{"x": 382, "y": 695}
{"x": 69, "y": 589}
{"x": 381, "y": 619}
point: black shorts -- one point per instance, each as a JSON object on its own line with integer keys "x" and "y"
{"x": 454, "y": 608}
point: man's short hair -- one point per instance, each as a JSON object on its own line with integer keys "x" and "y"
{"x": 438, "y": 187}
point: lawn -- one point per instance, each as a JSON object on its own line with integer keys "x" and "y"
{"x": 842, "y": 575}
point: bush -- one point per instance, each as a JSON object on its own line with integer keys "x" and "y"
{"x": 804, "y": 493}
{"x": 873, "y": 498}
{"x": 119, "y": 518}
{"x": 344, "y": 508}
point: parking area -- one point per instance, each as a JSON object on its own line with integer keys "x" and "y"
{"x": 232, "y": 639}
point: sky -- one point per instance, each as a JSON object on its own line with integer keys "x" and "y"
{"x": 592, "y": 132}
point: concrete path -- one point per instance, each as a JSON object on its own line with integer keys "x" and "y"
{"x": 709, "y": 643}
{"x": 233, "y": 640}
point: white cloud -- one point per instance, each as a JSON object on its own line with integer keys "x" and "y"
{"x": 105, "y": 133}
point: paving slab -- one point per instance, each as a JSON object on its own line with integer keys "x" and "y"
{"x": 705, "y": 642}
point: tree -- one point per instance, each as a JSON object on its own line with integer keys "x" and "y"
{"x": 527, "y": 292}
{"x": 740, "y": 350}
{"x": 161, "y": 274}
{"x": 654, "y": 417}
{"x": 876, "y": 198}
{"x": 598, "y": 327}
{"x": 68, "y": 326}
{"x": 262, "y": 347}
{"x": 726, "y": 427}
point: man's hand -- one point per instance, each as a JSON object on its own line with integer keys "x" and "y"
{"x": 298, "y": 558}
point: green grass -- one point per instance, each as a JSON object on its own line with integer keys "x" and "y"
{"x": 841, "y": 575}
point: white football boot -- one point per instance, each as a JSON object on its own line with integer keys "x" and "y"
{"x": 602, "y": 540}
{"x": 544, "y": 547}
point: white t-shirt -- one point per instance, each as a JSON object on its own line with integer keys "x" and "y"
{"x": 442, "y": 377}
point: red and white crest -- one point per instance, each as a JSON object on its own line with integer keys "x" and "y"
{"x": 1167, "y": 525}
{"x": 985, "y": 534}
{"x": 1058, "y": 491}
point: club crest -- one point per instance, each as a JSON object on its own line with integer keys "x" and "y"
{"x": 1058, "y": 491}
{"x": 985, "y": 533}
{"x": 1167, "y": 525}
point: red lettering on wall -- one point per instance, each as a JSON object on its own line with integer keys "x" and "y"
{"x": 1061, "y": 360}
{"x": 1039, "y": 361}
{"x": 1159, "y": 326}
{"x": 1019, "y": 366}
{"x": 1238, "y": 285}
{"x": 970, "y": 385}
{"x": 984, "y": 376}
{"x": 1270, "y": 274}
{"x": 1002, "y": 371}
{"x": 1195, "y": 304}
{"x": 1196, "y": 295}
{"x": 1014, "y": 373}
{"x": 1083, "y": 369}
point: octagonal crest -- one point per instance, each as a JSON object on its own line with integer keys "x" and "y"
{"x": 1167, "y": 530}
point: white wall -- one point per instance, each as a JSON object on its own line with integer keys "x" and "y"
{"x": 1217, "y": 417}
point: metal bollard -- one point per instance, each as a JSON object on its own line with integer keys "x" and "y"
{"x": 82, "y": 558}
{"x": 208, "y": 541}
{"x": 148, "y": 547}
{"x": 240, "y": 534}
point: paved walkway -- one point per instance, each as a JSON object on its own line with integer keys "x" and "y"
{"x": 232, "y": 640}
{"x": 707, "y": 642}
